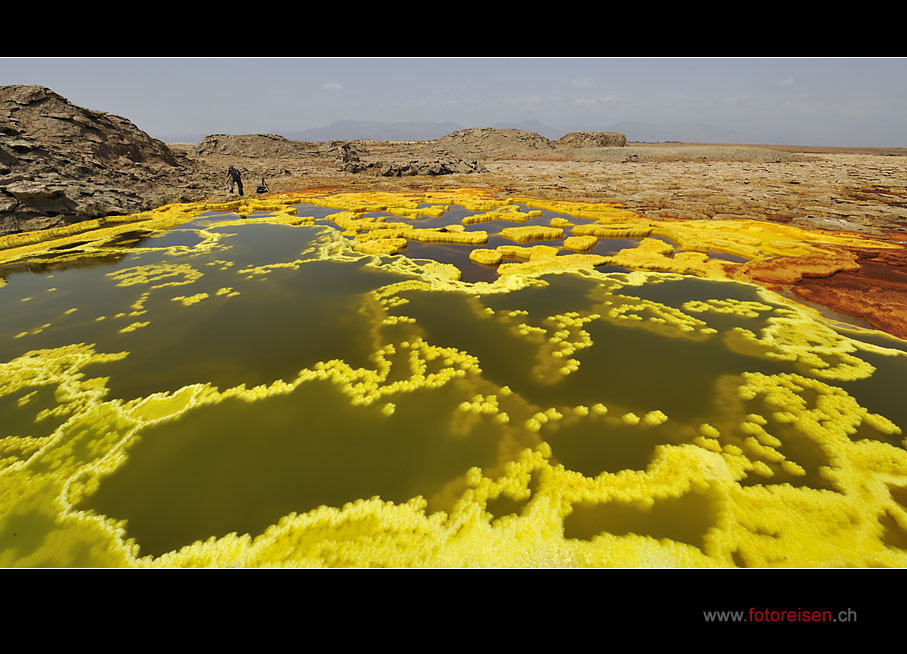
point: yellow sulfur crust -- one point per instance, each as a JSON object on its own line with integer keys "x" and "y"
{"x": 788, "y": 469}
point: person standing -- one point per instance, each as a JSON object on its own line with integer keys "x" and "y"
{"x": 235, "y": 178}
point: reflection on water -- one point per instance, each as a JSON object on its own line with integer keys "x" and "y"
{"x": 268, "y": 380}
{"x": 187, "y": 237}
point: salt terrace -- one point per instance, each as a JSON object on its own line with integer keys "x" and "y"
{"x": 439, "y": 379}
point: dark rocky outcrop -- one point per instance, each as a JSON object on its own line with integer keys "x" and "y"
{"x": 60, "y": 163}
{"x": 347, "y": 153}
{"x": 412, "y": 168}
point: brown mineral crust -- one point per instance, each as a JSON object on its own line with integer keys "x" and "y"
{"x": 876, "y": 292}
{"x": 780, "y": 271}
{"x": 891, "y": 195}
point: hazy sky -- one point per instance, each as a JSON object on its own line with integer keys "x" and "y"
{"x": 797, "y": 101}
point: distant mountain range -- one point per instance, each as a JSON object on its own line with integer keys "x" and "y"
{"x": 354, "y": 130}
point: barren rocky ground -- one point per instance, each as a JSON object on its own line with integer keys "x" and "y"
{"x": 861, "y": 190}
{"x": 60, "y": 163}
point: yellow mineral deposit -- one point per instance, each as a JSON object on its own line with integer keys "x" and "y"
{"x": 486, "y": 257}
{"x": 653, "y": 254}
{"x": 507, "y": 213}
{"x": 380, "y": 245}
{"x": 735, "y": 307}
{"x": 580, "y": 243}
{"x": 189, "y": 300}
{"x": 448, "y": 235}
{"x": 613, "y": 230}
{"x": 133, "y": 326}
{"x": 782, "y": 465}
{"x": 527, "y": 253}
{"x": 532, "y": 233}
{"x": 175, "y": 274}
{"x": 547, "y": 264}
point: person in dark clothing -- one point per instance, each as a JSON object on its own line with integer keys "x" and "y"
{"x": 235, "y": 178}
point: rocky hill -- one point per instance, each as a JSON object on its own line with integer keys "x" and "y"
{"x": 489, "y": 140}
{"x": 61, "y": 163}
{"x": 592, "y": 140}
{"x": 253, "y": 145}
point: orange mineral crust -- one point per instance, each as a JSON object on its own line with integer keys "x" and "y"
{"x": 877, "y": 291}
{"x": 778, "y": 271}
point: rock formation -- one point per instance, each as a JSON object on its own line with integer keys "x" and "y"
{"x": 592, "y": 140}
{"x": 251, "y": 145}
{"x": 60, "y": 163}
{"x": 487, "y": 139}
{"x": 437, "y": 166}
{"x": 347, "y": 153}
